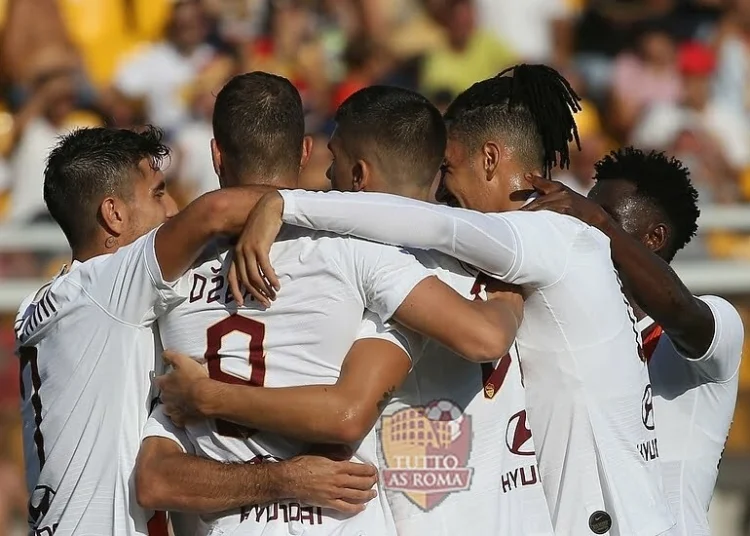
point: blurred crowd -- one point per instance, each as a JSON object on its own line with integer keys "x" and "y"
{"x": 664, "y": 74}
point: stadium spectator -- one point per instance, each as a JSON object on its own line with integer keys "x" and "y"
{"x": 702, "y": 130}
{"x": 642, "y": 77}
{"x": 159, "y": 73}
{"x": 193, "y": 168}
{"x": 471, "y": 53}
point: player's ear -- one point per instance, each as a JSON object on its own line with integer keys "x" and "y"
{"x": 307, "y": 146}
{"x": 360, "y": 176}
{"x": 216, "y": 158}
{"x": 656, "y": 238}
{"x": 113, "y": 217}
{"x": 491, "y": 156}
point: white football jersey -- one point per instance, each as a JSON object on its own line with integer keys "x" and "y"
{"x": 455, "y": 439}
{"x": 159, "y": 425}
{"x": 87, "y": 348}
{"x": 586, "y": 380}
{"x": 694, "y": 402}
{"x": 303, "y": 338}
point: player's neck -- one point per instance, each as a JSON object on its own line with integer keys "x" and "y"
{"x": 279, "y": 181}
{"x": 412, "y": 192}
{"x": 84, "y": 254}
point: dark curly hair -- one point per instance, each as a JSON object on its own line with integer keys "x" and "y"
{"x": 89, "y": 164}
{"x": 662, "y": 181}
{"x": 531, "y": 106}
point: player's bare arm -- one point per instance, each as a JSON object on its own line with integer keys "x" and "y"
{"x": 341, "y": 413}
{"x": 169, "y": 479}
{"x": 654, "y": 285}
{"x": 480, "y": 331}
{"x": 179, "y": 241}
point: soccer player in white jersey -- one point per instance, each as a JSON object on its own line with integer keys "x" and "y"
{"x": 169, "y": 474}
{"x": 646, "y": 205}
{"x": 585, "y": 374}
{"x": 304, "y": 337}
{"x": 85, "y": 339}
{"x": 495, "y": 476}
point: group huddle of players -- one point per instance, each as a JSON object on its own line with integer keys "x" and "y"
{"x": 516, "y": 360}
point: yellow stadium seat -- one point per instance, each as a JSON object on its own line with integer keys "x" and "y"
{"x": 745, "y": 363}
{"x": 98, "y": 28}
{"x": 105, "y": 31}
{"x": 3, "y": 12}
{"x": 738, "y": 441}
{"x": 81, "y": 119}
{"x": 722, "y": 244}
{"x": 745, "y": 184}
{"x": 4, "y": 204}
{"x": 6, "y": 130}
{"x": 588, "y": 120}
{"x": 151, "y": 17}
{"x": 52, "y": 268}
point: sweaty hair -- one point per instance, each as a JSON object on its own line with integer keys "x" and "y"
{"x": 661, "y": 181}
{"x": 532, "y": 109}
{"x": 399, "y": 130}
{"x": 90, "y": 164}
{"x": 259, "y": 125}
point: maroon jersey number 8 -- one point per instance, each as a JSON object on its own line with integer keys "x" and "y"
{"x": 256, "y": 359}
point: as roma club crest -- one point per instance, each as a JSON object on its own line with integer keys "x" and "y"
{"x": 426, "y": 450}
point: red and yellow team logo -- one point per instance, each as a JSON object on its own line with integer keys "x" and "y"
{"x": 426, "y": 449}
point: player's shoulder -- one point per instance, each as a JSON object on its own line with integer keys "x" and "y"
{"x": 298, "y": 245}
{"x": 43, "y": 304}
{"x": 89, "y": 272}
{"x": 347, "y": 246}
{"x": 534, "y": 223}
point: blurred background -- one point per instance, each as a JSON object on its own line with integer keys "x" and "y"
{"x": 665, "y": 74}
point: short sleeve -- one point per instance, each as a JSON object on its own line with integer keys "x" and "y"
{"x": 373, "y": 328}
{"x": 130, "y": 286}
{"x": 722, "y": 359}
{"x": 383, "y": 275}
{"x": 159, "y": 425}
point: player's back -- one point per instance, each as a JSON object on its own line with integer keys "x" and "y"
{"x": 485, "y": 462}
{"x": 301, "y": 339}
{"x": 87, "y": 348}
{"x": 587, "y": 387}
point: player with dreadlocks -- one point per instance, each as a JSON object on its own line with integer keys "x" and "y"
{"x": 585, "y": 375}
{"x": 514, "y": 125}
{"x": 647, "y": 206}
